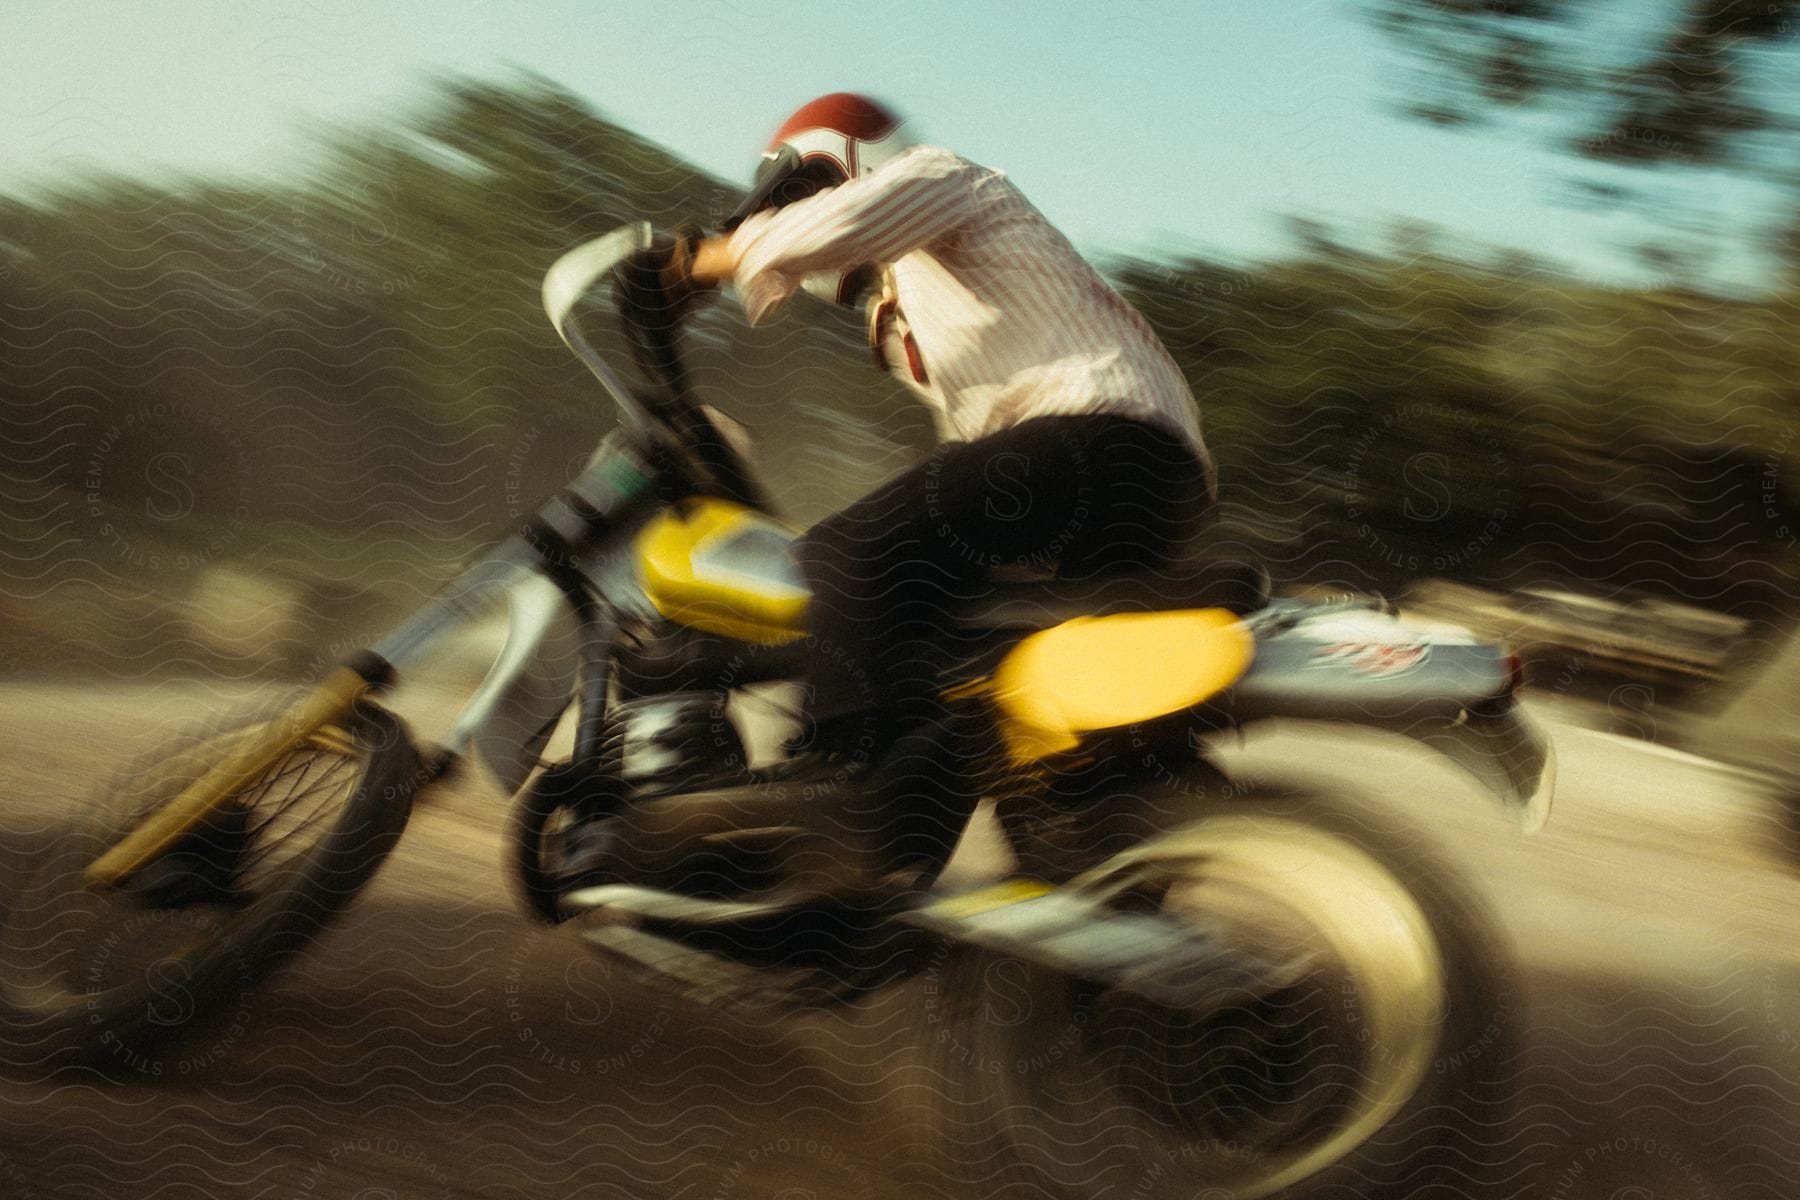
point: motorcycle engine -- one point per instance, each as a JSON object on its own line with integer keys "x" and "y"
{"x": 677, "y": 742}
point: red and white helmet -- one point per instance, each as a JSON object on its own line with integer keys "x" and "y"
{"x": 826, "y": 142}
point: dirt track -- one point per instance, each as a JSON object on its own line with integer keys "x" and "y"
{"x": 437, "y": 1045}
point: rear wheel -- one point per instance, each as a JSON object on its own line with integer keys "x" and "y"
{"x": 1376, "y": 1060}
{"x": 107, "y": 976}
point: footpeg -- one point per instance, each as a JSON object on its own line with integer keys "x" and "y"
{"x": 700, "y": 975}
{"x": 1167, "y": 962}
{"x": 631, "y": 903}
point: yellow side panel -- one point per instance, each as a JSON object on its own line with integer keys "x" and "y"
{"x": 1096, "y": 673}
{"x": 672, "y": 554}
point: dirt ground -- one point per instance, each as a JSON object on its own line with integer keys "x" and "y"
{"x": 435, "y": 1044}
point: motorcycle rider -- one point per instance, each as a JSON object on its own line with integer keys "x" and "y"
{"x": 1070, "y": 436}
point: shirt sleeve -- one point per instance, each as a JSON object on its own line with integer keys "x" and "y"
{"x": 911, "y": 202}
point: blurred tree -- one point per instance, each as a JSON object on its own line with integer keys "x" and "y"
{"x": 1692, "y": 85}
{"x": 359, "y": 358}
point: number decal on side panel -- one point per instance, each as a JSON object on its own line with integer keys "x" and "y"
{"x": 1374, "y": 658}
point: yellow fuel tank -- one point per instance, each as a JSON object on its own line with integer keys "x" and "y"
{"x": 723, "y": 568}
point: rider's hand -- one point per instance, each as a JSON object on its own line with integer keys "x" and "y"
{"x": 658, "y": 285}
{"x": 679, "y": 276}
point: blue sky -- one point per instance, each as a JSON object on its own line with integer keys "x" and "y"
{"x": 1146, "y": 126}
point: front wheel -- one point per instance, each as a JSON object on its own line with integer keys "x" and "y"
{"x": 1377, "y": 1059}
{"x": 106, "y": 976}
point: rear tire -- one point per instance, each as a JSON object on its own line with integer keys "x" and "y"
{"x": 1046, "y": 1086}
{"x": 89, "y": 977}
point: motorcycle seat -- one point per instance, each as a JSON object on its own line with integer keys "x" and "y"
{"x": 1237, "y": 587}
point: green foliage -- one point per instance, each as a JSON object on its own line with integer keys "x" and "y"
{"x": 1377, "y": 419}
{"x": 1681, "y": 91}
{"x": 1688, "y": 95}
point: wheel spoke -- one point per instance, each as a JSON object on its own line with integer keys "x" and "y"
{"x": 79, "y": 949}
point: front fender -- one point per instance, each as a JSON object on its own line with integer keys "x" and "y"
{"x": 510, "y": 717}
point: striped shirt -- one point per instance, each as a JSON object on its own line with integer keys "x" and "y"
{"x": 1009, "y": 321}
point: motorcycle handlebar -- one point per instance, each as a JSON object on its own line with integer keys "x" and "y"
{"x": 673, "y": 414}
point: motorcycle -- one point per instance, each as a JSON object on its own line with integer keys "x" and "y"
{"x": 1266, "y": 993}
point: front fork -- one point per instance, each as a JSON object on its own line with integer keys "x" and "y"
{"x": 615, "y": 484}
{"x": 327, "y": 704}
{"x": 309, "y": 719}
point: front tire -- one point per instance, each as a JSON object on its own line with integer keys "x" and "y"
{"x": 99, "y": 977}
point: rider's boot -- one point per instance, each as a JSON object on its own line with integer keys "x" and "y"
{"x": 586, "y": 847}
{"x": 837, "y": 749}
{"x": 891, "y": 773}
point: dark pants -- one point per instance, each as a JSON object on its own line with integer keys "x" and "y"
{"x": 1083, "y": 494}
